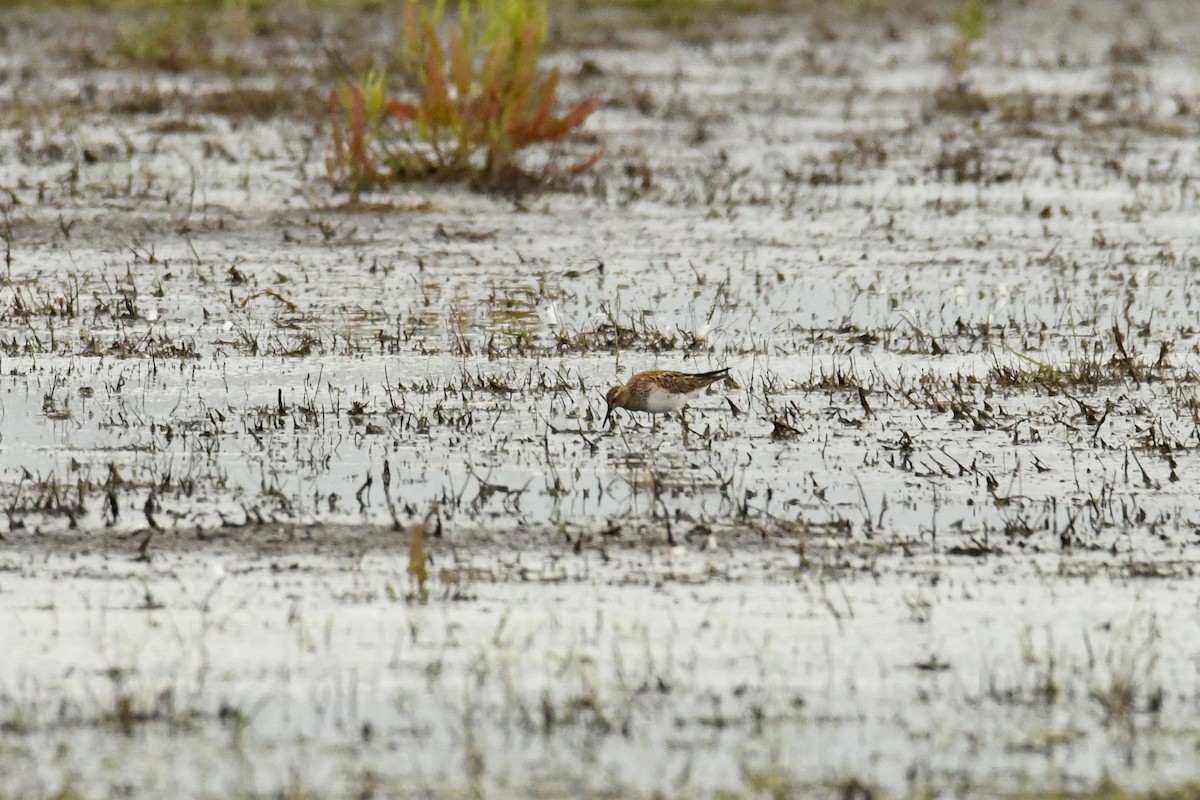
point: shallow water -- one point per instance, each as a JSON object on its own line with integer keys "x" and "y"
{"x": 639, "y": 672}
{"x": 937, "y": 532}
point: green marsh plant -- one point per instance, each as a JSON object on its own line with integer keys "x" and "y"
{"x": 479, "y": 99}
{"x": 970, "y": 24}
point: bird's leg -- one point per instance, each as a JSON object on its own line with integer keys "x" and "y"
{"x": 654, "y": 423}
{"x": 686, "y": 429}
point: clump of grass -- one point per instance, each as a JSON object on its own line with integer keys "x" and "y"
{"x": 418, "y": 557}
{"x": 970, "y": 25}
{"x": 1029, "y": 373}
{"x": 1083, "y": 370}
{"x": 172, "y": 38}
{"x": 480, "y": 99}
{"x": 611, "y": 336}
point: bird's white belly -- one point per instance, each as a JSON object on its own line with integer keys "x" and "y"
{"x": 659, "y": 401}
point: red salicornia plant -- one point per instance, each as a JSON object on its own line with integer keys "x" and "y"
{"x": 479, "y": 99}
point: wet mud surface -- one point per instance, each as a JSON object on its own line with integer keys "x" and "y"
{"x": 937, "y": 534}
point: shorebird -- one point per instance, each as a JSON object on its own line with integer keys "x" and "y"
{"x": 659, "y": 391}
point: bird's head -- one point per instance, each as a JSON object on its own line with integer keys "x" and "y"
{"x": 616, "y": 398}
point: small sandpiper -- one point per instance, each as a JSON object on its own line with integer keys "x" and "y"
{"x": 660, "y": 391}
